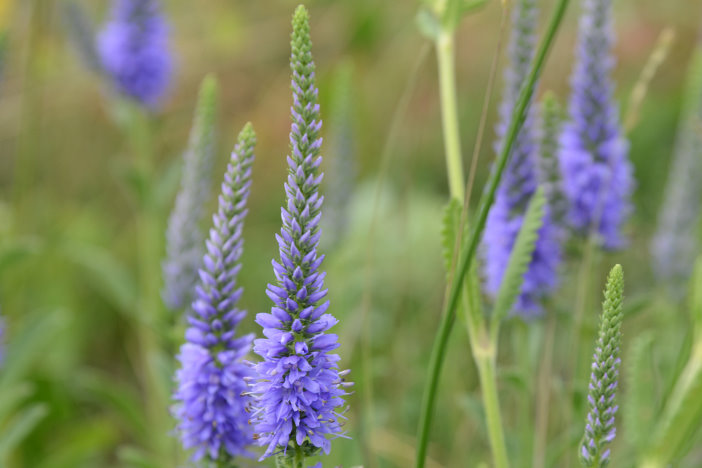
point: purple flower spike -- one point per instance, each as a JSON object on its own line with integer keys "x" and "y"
{"x": 212, "y": 406}
{"x": 133, "y": 47}
{"x": 519, "y": 182}
{"x": 299, "y": 386}
{"x": 597, "y": 174}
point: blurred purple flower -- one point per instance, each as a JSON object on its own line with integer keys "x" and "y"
{"x": 519, "y": 182}
{"x": 211, "y": 387}
{"x": 134, "y": 50}
{"x": 597, "y": 175}
{"x": 299, "y": 386}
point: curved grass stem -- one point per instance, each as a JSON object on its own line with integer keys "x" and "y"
{"x": 467, "y": 254}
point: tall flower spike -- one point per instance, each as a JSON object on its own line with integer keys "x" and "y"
{"x": 185, "y": 236}
{"x": 599, "y": 426}
{"x": 675, "y": 245}
{"x": 212, "y": 403}
{"x": 596, "y": 171}
{"x": 134, "y": 50}
{"x": 519, "y": 182}
{"x": 299, "y": 386}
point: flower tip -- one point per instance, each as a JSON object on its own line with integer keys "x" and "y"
{"x": 247, "y": 134}
{"x": 616, "y": 274}
{"x": 209, "y": 87}
{"x": 301, "y": 13}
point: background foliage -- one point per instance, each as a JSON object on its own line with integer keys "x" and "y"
{"x": 69, "y": 191}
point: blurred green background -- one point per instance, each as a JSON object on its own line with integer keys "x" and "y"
{"x": 68, "y": 265}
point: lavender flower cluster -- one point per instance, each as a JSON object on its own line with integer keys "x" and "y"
{"x": 212, "y": 407}
{"x": 133, "y": 47}
{"x": 582, "y": 161}
{"x": 519, "y": 182}
{"x": 291, "y": 402}
{"x": 597, "y": 175}
{"x": 300, "y": 387}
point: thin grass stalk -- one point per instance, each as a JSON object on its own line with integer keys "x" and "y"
{"x": 468, "y": 254}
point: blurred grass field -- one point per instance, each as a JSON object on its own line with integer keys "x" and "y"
{"x": 67, "y": 226}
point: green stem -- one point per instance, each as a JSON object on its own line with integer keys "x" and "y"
{"x": 445, "y": 43}
{"x": 468, "y": 253}
{"x": 493, "y": 418}
{"x": 299, "y": 457}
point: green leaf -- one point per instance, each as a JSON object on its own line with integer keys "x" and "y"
{"x": 11, "y": 397}
{"x": 470, "y": 6}
{"x": 452, "y": 14}
{"x": 136, "y": 457}
{"x": 521, "y": 256}
{"x": 428, "y": 23}
{"x": 85, "y": 443}
{"x": 20, "y": 428}
{"x": 27, "y": 347}
{"x": 114, "y": 394}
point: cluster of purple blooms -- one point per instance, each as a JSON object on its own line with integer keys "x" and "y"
{"x": 300, "y": 388}
{"x": 212, "y": 407}
{"x": 519, "y": 182}
{"x": 134, "y": 50}
{"x": 292, "y": 401}
{"x": 595, "y": 175}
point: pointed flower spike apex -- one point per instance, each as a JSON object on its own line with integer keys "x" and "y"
{"x": 599, "y": 425}
{"x": 212, "y": 400}
{"x": 299, "y": 388}
{"x": 519, "y": 182}
{"x": 185, "y": 237}
{"x": 597, "y": 174}
{"x": 134, "y": 50}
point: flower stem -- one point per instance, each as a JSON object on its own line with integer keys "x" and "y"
{"x": 493, "y": 418}
{"x": 467, "y": 254}
{"x": 445, "y": 45}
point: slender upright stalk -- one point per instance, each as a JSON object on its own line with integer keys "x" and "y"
{"x": 493, "y": 418}
{"x": 467, "y": 254}
{"x": 445, "y": 53}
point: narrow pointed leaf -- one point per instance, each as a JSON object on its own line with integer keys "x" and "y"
{"x": 521, "y": 256}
